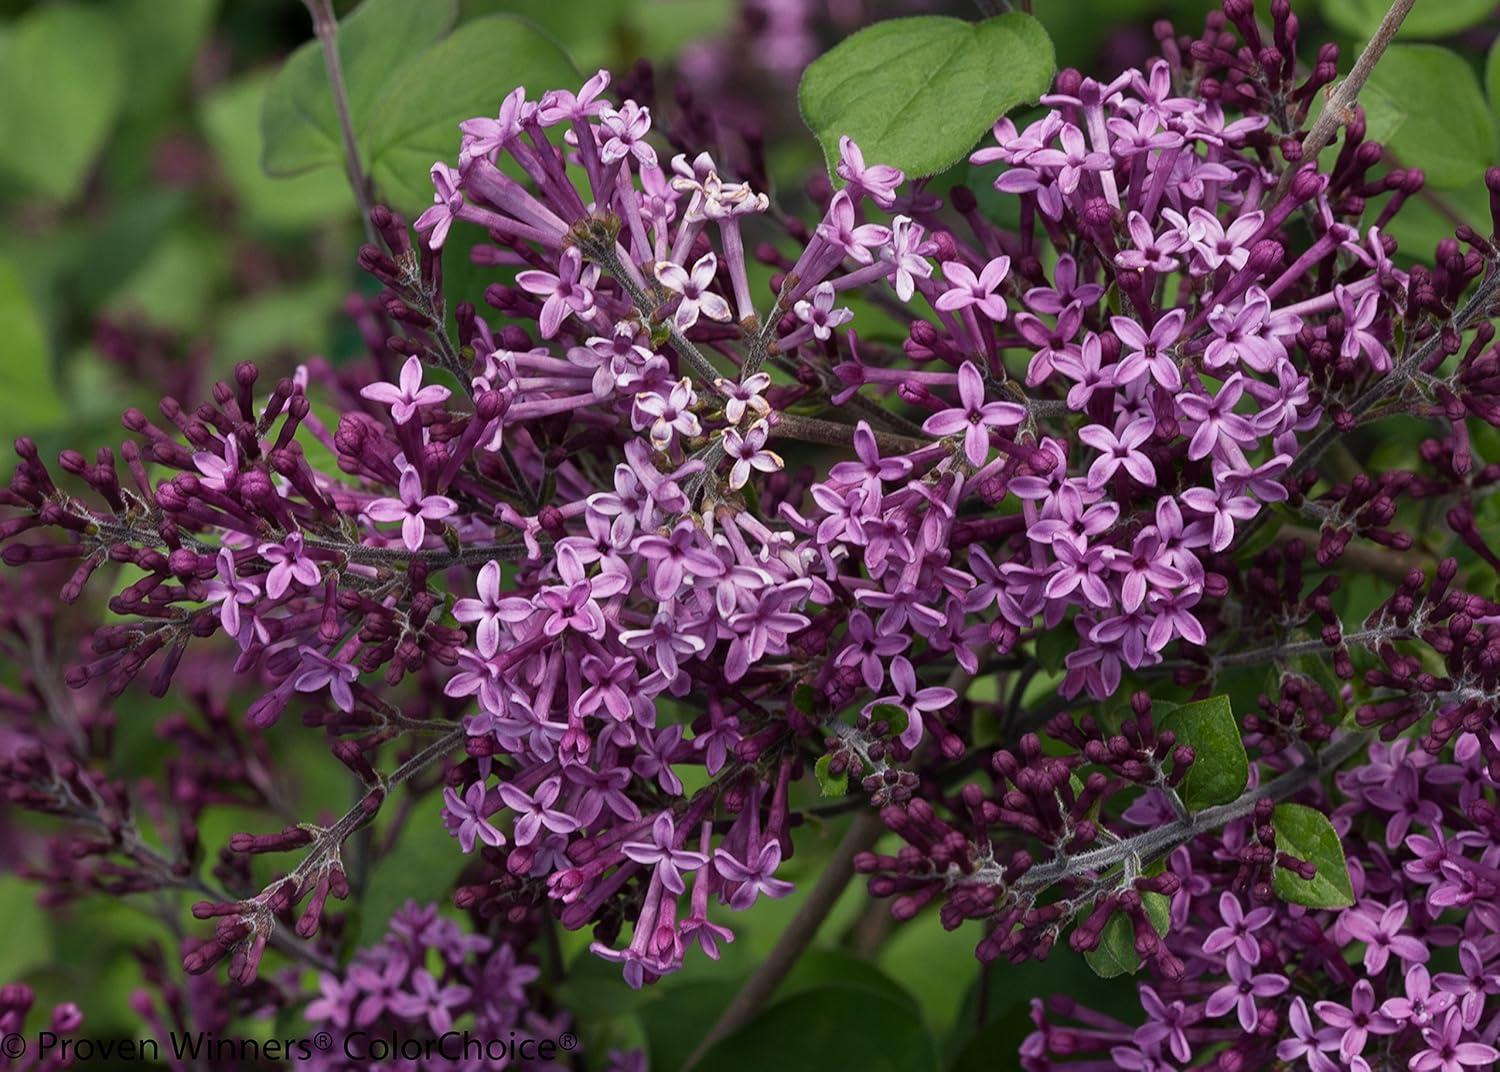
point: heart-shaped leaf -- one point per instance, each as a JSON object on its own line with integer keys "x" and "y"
{"x": 917, "y": 93}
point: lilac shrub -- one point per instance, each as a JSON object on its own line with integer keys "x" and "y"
{"x": 665, "y": 532}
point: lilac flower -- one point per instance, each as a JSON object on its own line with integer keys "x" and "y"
{"x": 749, "y": 452}
{"x": 467, "y": 817}
{"x": 965, "y": 289}
{"x": 1419, "y": 1004}
{"x": 536, "y": 812}
{"x": 317, "y": 672}
{"x": 1165, "y": 1025}
{"x": 561, "y": 106}
{"x": 1086, "y": 370}
{"x": 1120, "y": 451}
{"x": 1359, "y": 316}
{"x": 1072, "y": 160}
{"x": 745, "y": 397}
{"x": 693, "y": 287}
{"x": 1446, "y": 1053}
{"x": 671, "y": 415}
{"x": 430, "y": 1002}
{"x": 912, "y": 700}
{"x": 839, "y": 230}
{"x": 412, "y": 509}
{"x": 879, "y": 181}
{"x": 448, "y": 201}
{"x": 573, "y": 603}
{"x": 1149, "y": 253}
{"x": 1217, "y": 429}
{"x": 626, "y": 130}
{"x": 754, "y": 877}
{"x": 1306, "y": 1043}
{"x": 676, "y": 556}
{"x": 1217, "y": 244}
{"x": 1356, "y": 1021}
{"x": 231, "y": 592}
{"x": 820, "y": 314}
{"x": 1382, "y": 936}
{"x": 1242, "y": 989}
{"x": 974, "y": 416}
{"x": 908, "y": 250}
{"x": 662, "y": 854}
{"x": 219, "y": 474}
{"x": 486, "y": 610}
{"x": 405, "y": 398}
{"x": 867, "y": 649}
{"x": 1238, "y": 929}
{"x": 1149, "y": 351}
{"x": 1471, "y": 985}
{"x": 1223, "y": 507}
{"x": 289, "y": 563}
{"x": 570, "y": 292}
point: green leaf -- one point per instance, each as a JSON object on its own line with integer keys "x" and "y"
{"x": 917, "y": 93}
{"x": 1052, "y": 647}
{"x": 1492, "y": 75}
{"x": 1220, "y": 768}
{"x": 850, "y": 1026}
{"x": 1362, "y": 17}
{"x": 423, "y": 867}
{"x": 896, "y": 718}
{"x": 161, "y": 39}
{"x": 299, "y": 124}
{"x": 830, "y": 785}
{"x": 1424, "y": 103}
{"x": 62, "y": 82}
{"x": 28, "y": 394}
{"x": 228, "y": 118}
{"x": 1115, "y": 954}
{"x": 416, "y": 119}
{"x": 1307, "y": 834}
{"x": 29, "y": 944}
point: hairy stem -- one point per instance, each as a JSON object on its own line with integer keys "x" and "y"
{"x": 1340, "y": 103}
{"x": 1152, "y": 845}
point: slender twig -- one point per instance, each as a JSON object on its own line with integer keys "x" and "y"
{"x": 326, "y": 26}
{"x": 1340, "y": 105}
{"x": 861, "y": 835}
{"x": 1153, "y": 844}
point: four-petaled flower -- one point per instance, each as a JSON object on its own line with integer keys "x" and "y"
{"x": 570, "y": 292}
{"x": 749, "y": 452}
{"x": 405, "y": 398}
{"x": 661, "y": 852}
{"x": 974, "y": 417}
{"x": 966, "y": 289}
{"x": 412, "y": 509}
{"x": 693, "y": 287}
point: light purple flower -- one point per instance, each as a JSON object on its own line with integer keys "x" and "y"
{"x": 693, "y": 287}
{"x": 974, "y": 417}
{"x": 412, "y": 509}
{"x": 1243, "y": 988}
{"x": 407, "y": 396}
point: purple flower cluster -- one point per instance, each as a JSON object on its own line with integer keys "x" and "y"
{"x": 1058, "y": 476}
{"x": 429, "y": 979}
{"x": 1402, "y": 978}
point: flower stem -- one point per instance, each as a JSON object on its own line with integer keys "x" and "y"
{"x": 1341, "y": 103}
{"x": 326, "y": 26}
